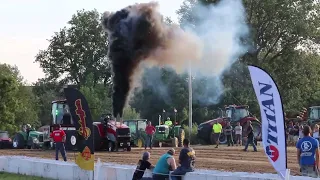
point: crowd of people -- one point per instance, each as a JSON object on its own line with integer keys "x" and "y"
{"x": 167, "y": 164}
{"x": 294, "y": 132}
{"x": 229, "y": 131}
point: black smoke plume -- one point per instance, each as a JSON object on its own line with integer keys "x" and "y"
{"x": 138, "y": 33}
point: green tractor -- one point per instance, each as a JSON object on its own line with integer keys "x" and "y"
{"x": 28, "y": 138}
{"x": 137, "y": 130}
{"x": 169, "y": 133}
{"x": 313, "y": 116}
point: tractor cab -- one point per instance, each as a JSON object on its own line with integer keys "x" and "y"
{"x": 61, "y": 113}
{"x": 137, "y": 130}
{"x": 235, "y": 113}
{"x": 314, "y": 115}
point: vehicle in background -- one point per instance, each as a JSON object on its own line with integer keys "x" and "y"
{"x": 170, "y": 135}
{"x": 137, "y": 131}
{"x": 28, "y": 137}
{"x": 5, "y": 140}
{"x": 232, "y": 114}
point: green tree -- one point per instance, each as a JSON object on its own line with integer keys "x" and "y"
{"x": 77, "y": 52}
{"x": 46, "y": 91}
{"x": 130, "y": 113}
{"x": 98, "y": 100}
{"x": 17, "y": 102}
{"x": 282, "y": 35}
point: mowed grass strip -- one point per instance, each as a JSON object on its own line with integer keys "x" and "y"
{"x": 9, "y": 176}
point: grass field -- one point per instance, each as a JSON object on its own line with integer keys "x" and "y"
{"x": 4, "y": 176}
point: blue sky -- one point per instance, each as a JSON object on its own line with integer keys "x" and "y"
{"x": 25, "y": 26}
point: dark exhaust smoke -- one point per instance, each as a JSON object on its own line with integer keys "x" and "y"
{"x": 138, "y": 34}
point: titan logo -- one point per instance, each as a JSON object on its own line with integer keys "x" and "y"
{"x": 272, "y": 152}
{"x": 270, "y": 113}
{"x": 84, "y": 131}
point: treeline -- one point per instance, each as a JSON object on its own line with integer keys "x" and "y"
{"x": 284, "y": 40}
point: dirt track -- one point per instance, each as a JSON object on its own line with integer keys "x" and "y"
{"x": 223, "y": 158}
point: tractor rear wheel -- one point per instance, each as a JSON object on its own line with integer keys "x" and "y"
{"x": 18, "y": 141}
{"x": 222, "y": 139}
{"x": 181, "y": 137}
{"x": 140, "y": 143}
{"x": 256, "y": 130}
{"x": 129, "y": 148}
{"x": 96, "y": 138}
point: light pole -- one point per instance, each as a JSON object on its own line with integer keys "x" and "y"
{"x": 175, "y": 116}
{"x": 190, "y": 101}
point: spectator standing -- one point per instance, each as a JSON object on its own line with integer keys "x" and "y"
{"x": 308, "y": 154}
{"x": 143, "y": 164}
{"x": 165, "y": 164}
{"x": 291, "y": 132}
{"x": 217, "y": 129}
{"x": 186, "y": 160}
{"x": 301, "y": 132}
{"x": 250, "y": 137}
{"x": 228, "y": 133}
{"x": 59, "y": 137}
{"x": 150, "y": 130}
{"x": 238, "y": 132}
{"x": 296, "y": 132}
{"x": 316, "y": 132}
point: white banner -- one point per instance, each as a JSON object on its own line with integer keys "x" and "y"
{"x": 272, "y": 117}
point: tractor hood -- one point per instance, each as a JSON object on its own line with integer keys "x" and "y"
{"x": 220, "y": 120}
{"x": 36, "y": 132}
{"x": 165, "y": 126}
{"x": 5, "y": 139}
{"x": 117, "y": 124}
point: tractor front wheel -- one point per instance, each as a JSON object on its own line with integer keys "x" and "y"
{"x": 18, "y": 141}
{"x": 129, "y": 148}
{"x": 222, "y": 138}
{"x": 140, "y": 143}
{"x": 256, "y": 131}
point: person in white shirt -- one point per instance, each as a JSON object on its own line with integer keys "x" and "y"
{"x": 238, "y": 132}
{"x": 316, "y": 132}
{"x": 301, "y": 132}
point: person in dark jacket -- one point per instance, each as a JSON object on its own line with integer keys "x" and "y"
{"x": 187, "y": 161}
{"x": 228, "y": 133}
{"x": 143, "y": 164}
{"x": 250, "y": 137}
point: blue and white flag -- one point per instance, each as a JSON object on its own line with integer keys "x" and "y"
{"x": 272, "y": 117}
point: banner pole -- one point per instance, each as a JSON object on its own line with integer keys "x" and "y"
{"x": 287, "y": 177}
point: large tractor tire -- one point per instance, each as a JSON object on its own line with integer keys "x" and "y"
{"x": 175, "y": 142}
{"x": 140, "y": 143}
{"x": 129, "y": 148}
{"x": 257, "y": 129}
{"x": 18, "y": 142}
{"x": 96, "y": 139}
{"x": 181, "y": 137}
{"x": 222, "y": 138}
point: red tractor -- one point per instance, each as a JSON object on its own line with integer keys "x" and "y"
{"x": 108, "y": 134}
{"x": 232, "y": 114}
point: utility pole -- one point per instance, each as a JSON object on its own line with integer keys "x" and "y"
{"x": 190, "y": 101}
